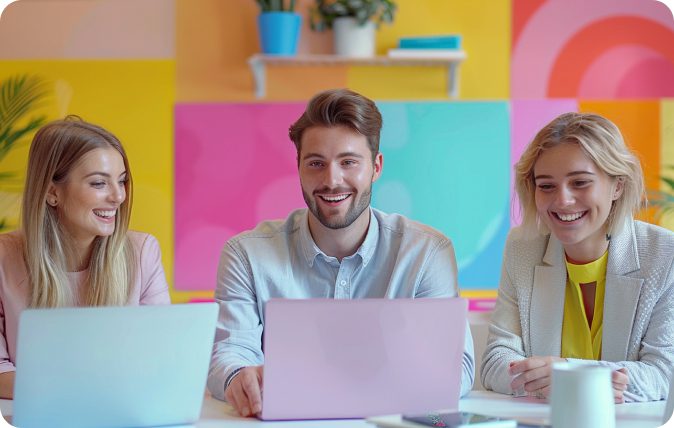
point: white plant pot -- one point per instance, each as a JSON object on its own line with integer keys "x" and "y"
{"x": 352, "y": 39}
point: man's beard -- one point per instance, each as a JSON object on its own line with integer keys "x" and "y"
{"x": 355, "y": 209}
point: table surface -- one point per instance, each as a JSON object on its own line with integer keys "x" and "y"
{"x": 631, "y": 415}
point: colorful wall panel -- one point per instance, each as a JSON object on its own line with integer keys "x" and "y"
{"x": 440, "y": 163}
{"x": 597, "y": 49}
{"x": 132, "y": 99}
{"x": 528, "y": 117}
{"x": 667, "y": 151}
{"x": 235, "y": 167}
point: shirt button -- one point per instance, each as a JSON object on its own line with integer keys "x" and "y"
{"x": 343, "y": 282}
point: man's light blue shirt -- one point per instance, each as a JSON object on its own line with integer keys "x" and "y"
{"x": 399, "y": 258}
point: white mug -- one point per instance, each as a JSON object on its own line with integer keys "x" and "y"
{"x": 582, "y": 396}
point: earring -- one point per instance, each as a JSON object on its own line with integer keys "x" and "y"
{"x": 52, "y": 202}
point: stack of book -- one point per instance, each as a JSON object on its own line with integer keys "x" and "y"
{"x": 442, "y": 46}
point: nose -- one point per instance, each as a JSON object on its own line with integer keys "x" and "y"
{"x": 333, "y": 176}
{"x": 117, "y": 194}
{"x": 565, "y": 196}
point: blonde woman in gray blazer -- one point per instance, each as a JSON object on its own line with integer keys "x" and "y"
{"x": 579, "y": 187}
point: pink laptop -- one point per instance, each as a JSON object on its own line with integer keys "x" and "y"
{"x": 336, "y": 359}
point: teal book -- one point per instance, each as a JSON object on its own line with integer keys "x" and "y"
{"x": 452, "y": 41}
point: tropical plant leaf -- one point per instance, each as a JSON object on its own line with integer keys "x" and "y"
{"x": 668, "y": 181}
{"x": 19, "y": 95}
{"x": 8, "y": 140}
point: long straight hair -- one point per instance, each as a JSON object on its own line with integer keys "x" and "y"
{"x": 56, "y": 148}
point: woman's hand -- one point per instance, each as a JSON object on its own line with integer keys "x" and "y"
{"x": 619, "y": 380}
{"x": 534, "y": 374}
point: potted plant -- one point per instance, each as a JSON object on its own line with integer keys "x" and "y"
{"x": 279, "y": 27}
{"x": 354, "y": 23}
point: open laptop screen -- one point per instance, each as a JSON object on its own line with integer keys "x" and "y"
{"x": 112, "y": 366}
{"x": 356, "y": 358}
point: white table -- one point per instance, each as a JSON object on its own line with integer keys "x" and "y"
{"x": 216, "y": 414}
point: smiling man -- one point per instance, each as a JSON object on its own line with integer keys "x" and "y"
{"x": 338, "y": 248}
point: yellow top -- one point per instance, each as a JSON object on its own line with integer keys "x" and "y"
{"x": 579, "y": 340}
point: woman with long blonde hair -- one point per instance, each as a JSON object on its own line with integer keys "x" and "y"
{"x": 74, "y": 247}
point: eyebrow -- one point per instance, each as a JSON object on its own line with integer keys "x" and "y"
{"x": 571, "y": 174}
{"x": 104, "y": 174}
{"x": 341, "y": 155}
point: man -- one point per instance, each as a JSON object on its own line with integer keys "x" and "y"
{"x": 337, "y": 248}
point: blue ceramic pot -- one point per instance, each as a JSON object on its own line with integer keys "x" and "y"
{"x": 279, "y": 32}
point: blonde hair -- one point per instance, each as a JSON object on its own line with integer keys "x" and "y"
{"x": 603, "y": 143}
{"x": 56, "y": 148}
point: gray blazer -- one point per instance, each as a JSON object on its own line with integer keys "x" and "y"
{"x": 638, "y": 331}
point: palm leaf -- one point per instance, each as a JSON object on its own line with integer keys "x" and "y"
{"x": 669, "y": 182}
{"x": 13, "y": 136}
{"x": 18, "y": 96}
{"x": 663, "y": 200}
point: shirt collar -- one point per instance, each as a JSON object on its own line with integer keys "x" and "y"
{"x": 309, "y": 247}
{"x": 311, "y": 250}
{"x": 368, "y": 246}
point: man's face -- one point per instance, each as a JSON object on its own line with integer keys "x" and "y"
{"x": 336, "y": 174}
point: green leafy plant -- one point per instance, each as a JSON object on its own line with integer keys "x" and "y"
{"x": 326, "y": 11}
{"x": 19, "y": 95}
{"x": 276, "y": 6}
{"x": 663, "y": 200}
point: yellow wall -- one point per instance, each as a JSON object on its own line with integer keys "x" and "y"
{"x": 215, "y": 38}
{"x": 132, "y": 99}
{"x": 483, "y": 25}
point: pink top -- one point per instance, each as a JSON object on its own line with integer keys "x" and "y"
{"x": 149, "y": 285}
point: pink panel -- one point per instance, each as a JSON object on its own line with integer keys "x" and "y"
{"x": 551, "y": 27}
{"x": 481, "y": 304}
{"x": 235, "y": 166}
{"x": 651, "y": 78}
{"x": 528, "y": 117}
{"x": 603, "y": 78}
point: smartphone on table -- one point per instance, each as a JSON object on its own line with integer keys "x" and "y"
{"x": 460, "y": 420}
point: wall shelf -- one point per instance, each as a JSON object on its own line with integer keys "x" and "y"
{"x": 258, "y": 65}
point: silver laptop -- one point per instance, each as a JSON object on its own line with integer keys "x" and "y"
{"x": 328, "y": 359}
{"x": 112, "y": 366}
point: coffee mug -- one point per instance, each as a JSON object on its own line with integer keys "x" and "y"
{"x": 582, "y": 396}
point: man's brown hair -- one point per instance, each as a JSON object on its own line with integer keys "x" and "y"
{"x": 340, "y": 107}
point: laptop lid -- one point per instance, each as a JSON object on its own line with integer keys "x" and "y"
{"x": 112, "y": 366}
{"x": 329, "y": 359}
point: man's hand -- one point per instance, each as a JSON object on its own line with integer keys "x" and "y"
{"x": 245, "y": 391}
{"x": 619, "y": 380}
{"x": 535, "y": 374}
